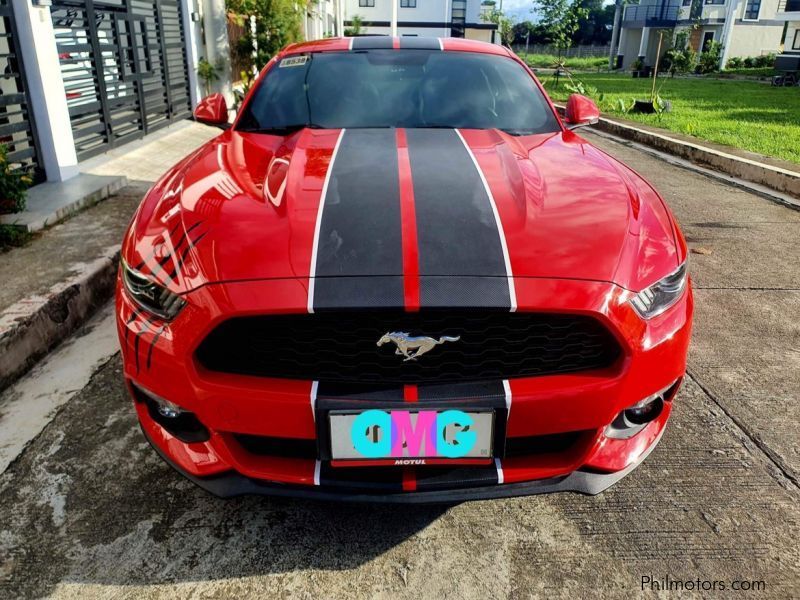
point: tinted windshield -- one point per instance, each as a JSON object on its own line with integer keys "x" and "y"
{"x": 399, "y": 88}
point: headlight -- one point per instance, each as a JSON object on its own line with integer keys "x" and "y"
{"x": 151, "y": 296}
{"x": 657, "y": 298}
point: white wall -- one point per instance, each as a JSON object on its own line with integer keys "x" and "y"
{"x": 431, "y": 11}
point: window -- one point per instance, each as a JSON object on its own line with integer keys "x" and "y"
{"x": 751, "y": 10}
{"x": 708, "y": 37}
{"x": 408, "y": 3}
{"x": 715, "y": 1}
{"x": 796, "y": 42}
{"x": 398, "y": 88}
{"x": 366, "y": 3}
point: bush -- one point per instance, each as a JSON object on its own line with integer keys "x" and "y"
{"x": 12, "y": 237}
{"x": 709, "y": 60}
{"x": 735, "y": 63}
{"x": 679, "y": 61}
{"x": 680, "y": 58}
{"x": 14, "y": 182}
{"x": 765, "y": 61}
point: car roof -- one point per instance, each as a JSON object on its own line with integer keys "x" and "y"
{"x": 339, "y": 44}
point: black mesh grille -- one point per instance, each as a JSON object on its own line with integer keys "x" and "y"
{"x": 343, "y": 346}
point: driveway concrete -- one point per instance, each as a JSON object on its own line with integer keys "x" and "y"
{"x": 90, "y": 511}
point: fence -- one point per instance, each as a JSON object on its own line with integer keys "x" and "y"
{"x": 573, "y": 52}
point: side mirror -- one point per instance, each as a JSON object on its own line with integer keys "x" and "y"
{"x": 212, "y": 110}
{"x": 581, "y": 111}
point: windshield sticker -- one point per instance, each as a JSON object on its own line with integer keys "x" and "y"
{"x": 293, "y": 61}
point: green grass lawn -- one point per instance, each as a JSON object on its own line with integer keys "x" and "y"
{"x": 745, "y": 114}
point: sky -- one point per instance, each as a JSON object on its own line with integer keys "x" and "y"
{"x": 520, "y": 10}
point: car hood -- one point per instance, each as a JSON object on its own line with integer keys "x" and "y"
{"x": 246, "y": 206}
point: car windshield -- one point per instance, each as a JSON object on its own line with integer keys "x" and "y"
{"x": 398, "y": 88}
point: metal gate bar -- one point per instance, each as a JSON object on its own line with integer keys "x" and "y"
{"x": 124, "y": 68}
{"x": 17, "y": 127}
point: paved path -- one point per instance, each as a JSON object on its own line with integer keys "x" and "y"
{"x": 88, "y": 510}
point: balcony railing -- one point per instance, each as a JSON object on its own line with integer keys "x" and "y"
{"x": 789, "y": 6}
{"x": 656, "y": 14}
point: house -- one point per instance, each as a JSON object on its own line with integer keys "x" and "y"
{"x": 789, "y": 10}
{"x": 324, "y": 18}
{"x": 743, "y": 27}
{"x": 435, "y": 18}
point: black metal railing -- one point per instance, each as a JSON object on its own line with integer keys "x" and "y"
{"x": 651, "y": 13}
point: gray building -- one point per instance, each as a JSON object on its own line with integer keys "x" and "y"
{"x": 743, "y": 27}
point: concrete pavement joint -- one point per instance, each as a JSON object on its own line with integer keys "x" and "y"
{"x": 789, "y": 481}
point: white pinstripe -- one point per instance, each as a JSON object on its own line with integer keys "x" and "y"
{"x": 315, "y": 248}
{"x": 512, "y": 293}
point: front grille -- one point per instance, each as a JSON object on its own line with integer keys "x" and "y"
{"x": 342, "y": 347}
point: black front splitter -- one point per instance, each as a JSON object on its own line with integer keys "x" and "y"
{"x": 231, "y": 484}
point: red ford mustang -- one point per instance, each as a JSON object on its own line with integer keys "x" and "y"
{"x": 400, "y": 276}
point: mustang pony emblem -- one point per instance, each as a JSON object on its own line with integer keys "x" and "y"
{"x": 412, "y": 347}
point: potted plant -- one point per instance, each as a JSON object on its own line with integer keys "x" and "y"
{"x": 654, "y": 104}
{"x": 14, "y": 182}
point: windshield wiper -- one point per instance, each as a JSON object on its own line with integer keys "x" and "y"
{"x": 282, "y": 130}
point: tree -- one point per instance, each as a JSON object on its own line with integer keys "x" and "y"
{"x": 533, "y": 32}
{"x": 560, "y": 19}
{"x": 505, "y": 25}
{"x": 278, "y": 23}
{"x": 595, "y": 28}
{"x": 356, "y": 23}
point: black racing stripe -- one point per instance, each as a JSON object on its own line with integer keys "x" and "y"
{"x": 488, "y": 394}
{"x": 369, "y": 42}
{"x": 358, "y": 392}
{"x": 359, "y": 251}
{"x": 419, "y": 43}
{"x": 367, "y": 479}
{"x": 447, "y": 478}
{"x": 456, "y": 229}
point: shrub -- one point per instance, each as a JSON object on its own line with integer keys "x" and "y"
{"x": 765, "y": 61}
{"x": 12, "y": 237}
{"x": 208, "y": 73}
{"x": 735, "y": 63}
{"x": 14, "y": 183}
{"x": 680, "y": 61}
{"x": 709, "y": 59}
{"x": 749, "y": 63}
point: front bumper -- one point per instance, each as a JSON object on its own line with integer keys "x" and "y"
{"x": 231, "y": 484}
{"x": 159, "y": 357}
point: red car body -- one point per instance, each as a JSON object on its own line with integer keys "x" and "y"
{"x": 234, "y": 230}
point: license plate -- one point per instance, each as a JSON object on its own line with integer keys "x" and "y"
{"x": 399, "y": 435}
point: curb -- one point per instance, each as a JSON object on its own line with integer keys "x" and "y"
{"x": 32, "y": 327}
{"x": 51, "y": 202}
{"x": 772, "y": 177}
